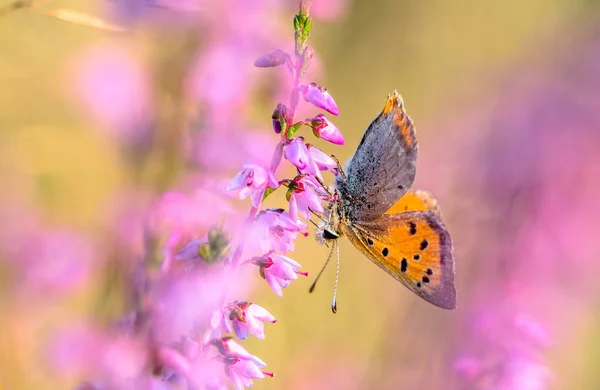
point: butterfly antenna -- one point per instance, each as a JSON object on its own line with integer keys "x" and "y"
{"x": 312, "y": 286}
{"x": 337, "y": 277}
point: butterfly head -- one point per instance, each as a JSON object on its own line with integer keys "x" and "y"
{"x": 328, "y": 229}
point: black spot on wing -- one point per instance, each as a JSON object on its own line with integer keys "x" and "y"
{"x": 404, "y": 265}
{"x": 412, "y": 228}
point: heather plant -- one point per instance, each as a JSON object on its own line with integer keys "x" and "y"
{"x": 191, "y": 308}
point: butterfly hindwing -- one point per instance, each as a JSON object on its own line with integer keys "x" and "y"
{"x": 384, "y": 165}
{"x": 415, "y": 200}
{"x": 415, "y": 248}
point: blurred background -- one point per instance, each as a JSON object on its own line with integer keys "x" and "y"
{"x": 106, "y": 106}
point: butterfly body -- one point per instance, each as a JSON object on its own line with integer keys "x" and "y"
{"x": 398, "y": 229}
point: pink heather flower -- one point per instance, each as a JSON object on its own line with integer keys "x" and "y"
{"x": 241, "y": 373}
{"x": 248, "y": 317}
{"x": 253, "y": 180}
{"x": 323, "y": 161}
{"x": 277, "y": 230}
{"x": 240, "y": 366}
{"x": 324, "y": 129}
{"x": 241, "y": 316}
{"x": 320, "y": 97}
{"x": 297, "y": 153}
{"x": 304, "y": 197}
{"x": 272, "y": 59}
{"x": 278, "y": 271}
{"x": 113, "y": 84}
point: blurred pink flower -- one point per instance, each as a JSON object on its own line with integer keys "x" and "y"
{"x": 113, "y": 84}
{"x": 303, "y": 197}
{"x": 272, "y": 59}
{"x": 324, "y": 129}
{"x": 252, "y": 181}
{"x": 320, "y": 97}
{"x": 53, "y": 261}
{"x": 177, "y": 311}
{"x": 87, "y": 352}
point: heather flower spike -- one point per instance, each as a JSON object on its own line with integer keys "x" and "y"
{"x": 324, "y": 129}
{"x": 320, "y": 97}
{"x": 272, "y": 59}
{"x": 180, "y": 313}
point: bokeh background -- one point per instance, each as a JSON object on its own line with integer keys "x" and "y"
{"x": 100, "y": 117}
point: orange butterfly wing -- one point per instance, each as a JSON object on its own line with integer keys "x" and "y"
{"x": 415, "y": 200}
{"x": 413, "y": 247}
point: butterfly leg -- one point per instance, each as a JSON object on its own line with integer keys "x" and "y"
{"x": 339, "y": 168}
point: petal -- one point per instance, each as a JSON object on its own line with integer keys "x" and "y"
{"x": 239, "y": 181}
{"x": 240, "y": 329}
{"x": 272, "y": 59}
{"x": 320, "y": 97}
{"x": 236, "y": 350}
{"x": 190, "y": 251}
{"x": 294, "y": 206}
{"x": 261, "y": 313}
{"x": 283, "y": 271}
{"x": 297, "y": 154}
{"x": 329, "y": 132}
{"x": 257, "y": 196}
{"x": 256, "y": 360}
{"x": 287, "y": 260}
{"x": 248, "y": 369}
{"x": 273, "y": 283}
{"x": 323, "y": 161}
{"x": 256, "y": 327}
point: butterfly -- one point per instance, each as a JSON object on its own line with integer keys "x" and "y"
{"x": 397, "y": 228}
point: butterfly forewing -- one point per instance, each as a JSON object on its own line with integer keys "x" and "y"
{"x": 415, "y": 248}
{"x": 384, "y": 165}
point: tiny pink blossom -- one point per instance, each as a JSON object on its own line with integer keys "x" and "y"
{"x": 277, "y": 230}
{"x": 304, "y": 197}
{"x": 297, "y": 153}
{"x": 278, "y": 271}
{"x": 241, "y": 373}
{"x": 243, "y": 317}
{"x": 323, "y": 161}
{"x": 272, "y": 59}
{"x": 252, "y": 181}
{"x": 248, "y": 317}
{"x": 324, "y": 129}
{"x": 320, "y": 97}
